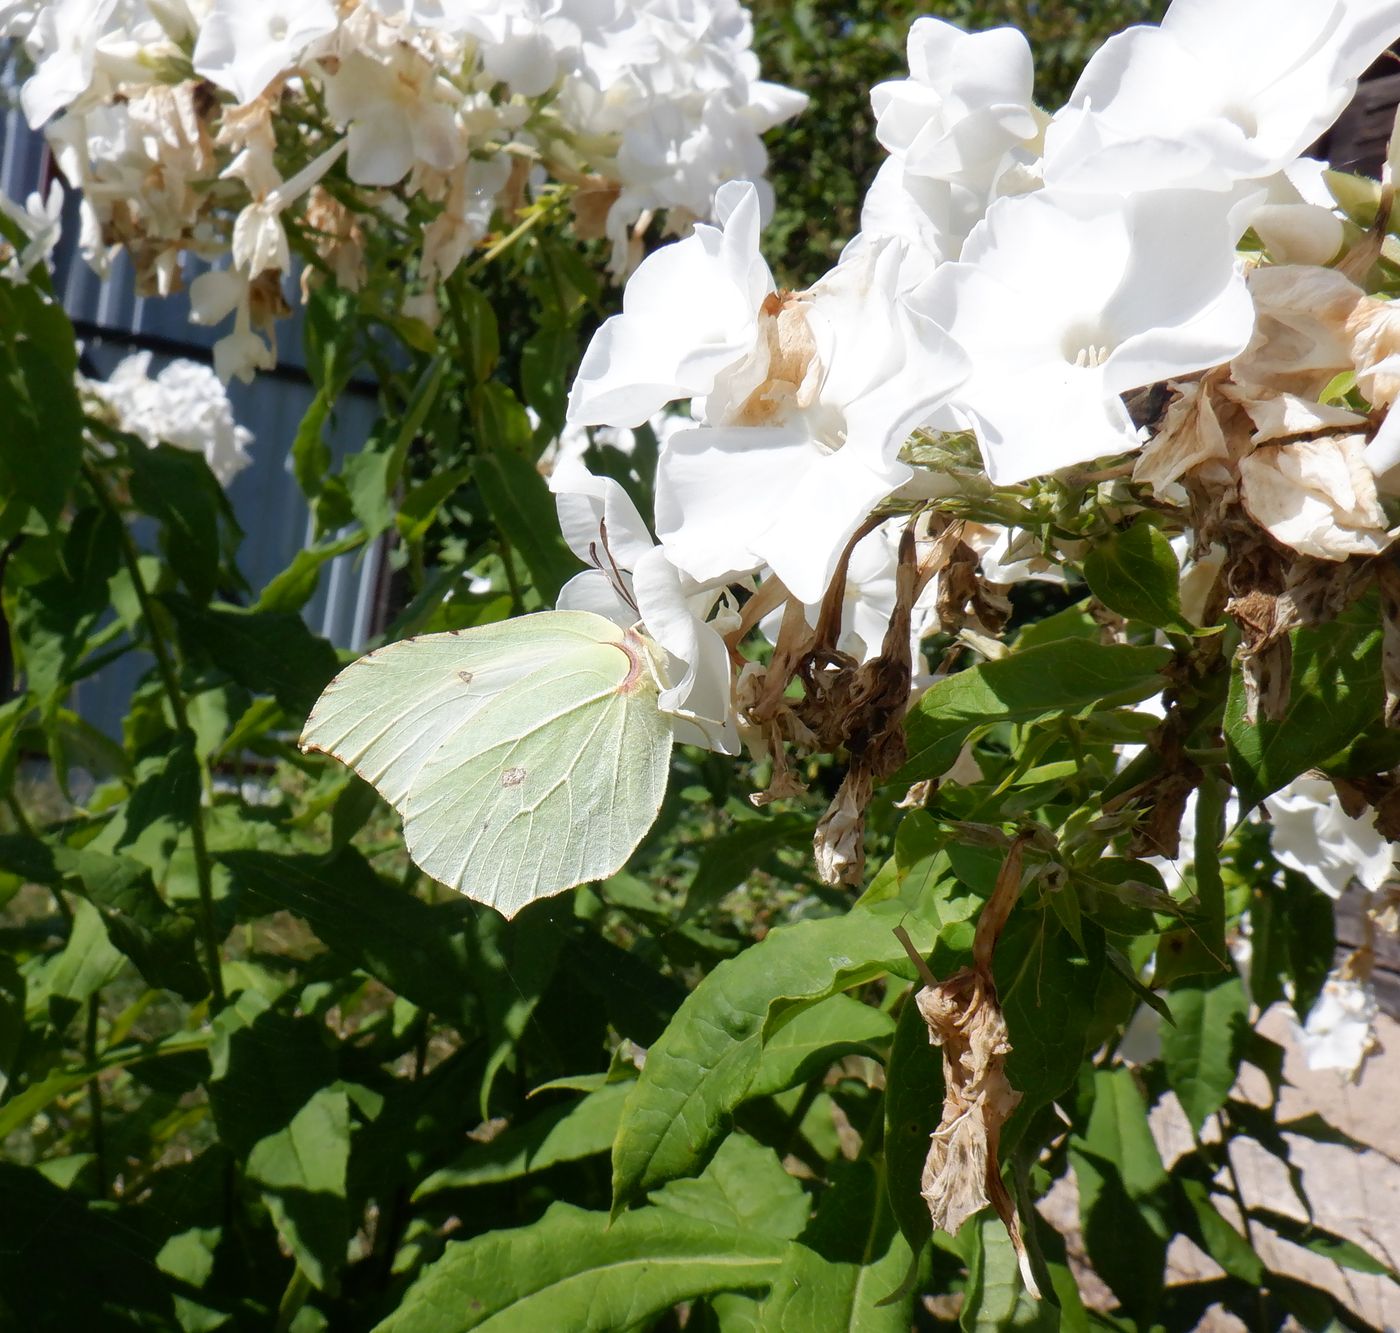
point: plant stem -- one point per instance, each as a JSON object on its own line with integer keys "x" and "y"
{"x": 99, "y": 1140}
{"x": 165, "y": 666}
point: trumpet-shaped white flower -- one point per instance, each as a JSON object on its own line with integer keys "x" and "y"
{"x": 1340, "y": 1032}
{"x": 1312, "y": 834}
{"x": 802, "y": 439}
{"x": 689, "y": 312}
{"x": 63, "y": 45}
{"x": 1218, "y": 93}
{"x": 965, "y": 105}
{"x": 632, "y": 582}
{"x": 1064, "y": 302}
{"x": 41, "y": 222}
{"x": 244, "y": 44}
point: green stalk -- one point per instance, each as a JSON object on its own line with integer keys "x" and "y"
{"x": 165, "y": 667}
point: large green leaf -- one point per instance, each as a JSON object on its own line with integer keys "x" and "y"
{"x": 301, "y": 1171}
{"x": 563, "y": 1133}
{"x": 1062, "y": 676}
{"x": 176, "y": 487}
{"x": 576, "y": 1270}
{"x": 744, "y": 1188}
{"x": 728, "y": 859}
{"x": 705, "y": 1062}
{"x": 809, "y": 1042}
{"x": 1134, "y": 572}
{"x": 273, "y": 1093}
{"x": 411, "y": 947}
{"x": 1202, "y": 1049}
{"x": 1336, "y": 695}
{"x": 997, "y": 1299}
{"x": 1121, "y": 1186}
{"x": 267, "y": 652}
{"x": 913, "y": 1108}
{"x": 840, "y": 1276}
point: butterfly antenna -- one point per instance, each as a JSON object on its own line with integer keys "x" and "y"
{"x": 617, "y": 580}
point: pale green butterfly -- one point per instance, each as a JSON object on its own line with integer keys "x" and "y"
{"x": 525, "y": 757}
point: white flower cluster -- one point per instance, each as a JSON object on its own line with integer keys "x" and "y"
{"x": 185, "y": 405}
{"x": 200, "y": 126}
{"x": 1017, "y": 274}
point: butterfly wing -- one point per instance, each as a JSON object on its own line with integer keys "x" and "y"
{"x": 387, "y": 713}
{"x": 555, "y": 783}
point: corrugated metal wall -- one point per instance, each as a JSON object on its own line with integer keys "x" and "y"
{"x": 266, "y": 499}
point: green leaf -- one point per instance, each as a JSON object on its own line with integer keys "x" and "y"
{"x": 1134, "y": 571}
{"x": 161, "y": 942}
{"x": 310, "y": 454}
{"x": 1326, "y": 1243}
{"x": 1047, "y": 988}
{"x": 301, "y": 1171}
{"x": 996, "y": 1297}
{"x": 1202, "y": 1050}
{"x": 164, "y": 802}
{"x": 840, "y": 1275}
{"x": 276, "y": 1107}
{"x": 563, "y": 1133}
{"x": 268, "y": 653}
{"x": 476, "y": 327}
{"x": 176, "y": 487}
{"x": 728, "y": 859}
{"x": 1293, "y": 931}
{"x": 547, "y": 362}
{"x": 523, "y": 508}
{"x": 1065, "y": 675}
{"x": 296, "y": 585}
{"x": 1337, "y": 694}
{"x": 1217, "y": 1237}
{"x": 815, "y": 1037}
{"x": 411, "y": 947}
{"x": 705, "y": 1062}
{"x": 913, "y": 1108}
{"x": 41, "y": 444}
{"x": 420, "y": 506}
{"x": 580, "y": 1271}
{"x": 50, "y": 1236}
{"x": 1121, "y": 1182}
{"x": 744, "y": 1188}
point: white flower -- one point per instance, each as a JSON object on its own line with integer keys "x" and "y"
{"x": 1313, "y": 835}
{"x": 63, "y": 45}
{"x": 689, "y": 312}
{"x": 1066, "y": 301}
{"x": 1218, "y": 93}
{"x": 244, "y": 44}
{"x": 633, "y": 583}
{"x": 185, "y": 406}
{"x": 259, "y": 239}
{"x": 1340, "y": 1031}
{"x": 216, "y": 295}
{"x": 802, "y": 438}
{"x": 400, "y": 110}
{"x": 966, "y": 102}
{"x": 41, "y": 221}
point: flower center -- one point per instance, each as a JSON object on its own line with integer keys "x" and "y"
{"x": 1085, "y": 347}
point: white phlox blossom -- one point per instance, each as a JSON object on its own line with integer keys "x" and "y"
{"x": 244, "y": 44}
{"x": 1217, "y": 93}
{"x": 801, "y": 439}
{"x": 40, "y": 222}
{"x": 1065, "y": 301}
{"x": 469, "y": 108}
{"x": 632, "y": 583}
{"x": 689, "y": 312}
{"x": 185, "y": 405}
{"x": 1312, "y": 834}
{"x": 958, "y": 129}
{"x": 1340, "y": 1031}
